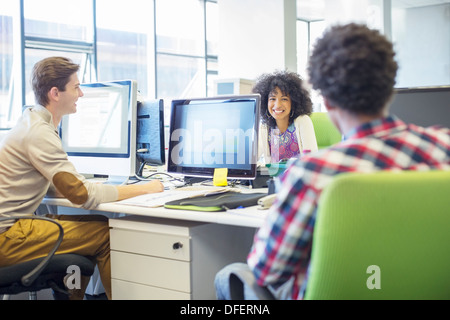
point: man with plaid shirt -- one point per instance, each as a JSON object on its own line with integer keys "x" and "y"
{"x": 354, "y": 69}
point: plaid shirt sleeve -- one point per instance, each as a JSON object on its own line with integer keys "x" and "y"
{"x": 282, "y": 246}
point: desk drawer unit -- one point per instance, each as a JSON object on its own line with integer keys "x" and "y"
{"x": 171, "y": 259}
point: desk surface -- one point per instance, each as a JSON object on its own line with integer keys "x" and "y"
{"x": 246, "y": 217}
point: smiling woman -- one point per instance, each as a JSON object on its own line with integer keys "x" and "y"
{"x": 286, "y": 130}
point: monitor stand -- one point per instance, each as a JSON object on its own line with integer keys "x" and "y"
{"x": 262, "y": 179}
{"x": 189, "y": 180}
{"x": 117, "y": 180}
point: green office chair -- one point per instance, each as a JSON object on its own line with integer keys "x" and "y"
{"x": 382, "y": 235}
{"x": 326, "y": 132}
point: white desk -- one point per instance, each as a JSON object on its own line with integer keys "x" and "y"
{"x": 247, "y": 217}
{"x": 144, "y": 256}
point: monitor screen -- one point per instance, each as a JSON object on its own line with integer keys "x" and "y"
{"x": 100, "y": 138}
{"x": 150, "y": 133}
{"x": 210, "y": 133}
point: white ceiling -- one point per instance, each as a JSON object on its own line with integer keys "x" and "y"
{"x": 416, "y": 3}
{"x": 314, "y": 10}
{"x": 310, "y": 10}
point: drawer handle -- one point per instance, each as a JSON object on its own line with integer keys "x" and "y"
{"x": 177, "y": 245}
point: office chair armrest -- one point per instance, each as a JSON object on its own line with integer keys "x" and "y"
{"x": 239, "y": 278}
{"x": 29, "y": 278}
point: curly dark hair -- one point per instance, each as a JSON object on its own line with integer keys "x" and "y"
{"x": 354, "y": 68}
{"x": 290, "y": 84}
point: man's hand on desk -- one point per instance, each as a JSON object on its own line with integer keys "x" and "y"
{"x": 133, "y": 190}
{"x": 154, "y": 186}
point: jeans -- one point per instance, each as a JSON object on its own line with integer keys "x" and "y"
{"x": 222, "y": 285}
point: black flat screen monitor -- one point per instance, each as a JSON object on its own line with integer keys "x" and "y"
{"x": 150, "y": 133}
{"x": 210, "y": 133}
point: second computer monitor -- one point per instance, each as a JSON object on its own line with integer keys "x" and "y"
{"x": 211, "y": 133}
{"x": 150, "y": 133}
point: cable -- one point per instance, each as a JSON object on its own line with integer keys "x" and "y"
{"x": 141, "y": 167}
{"x": 139, "y": 176}
{"x": 156, "y": 173}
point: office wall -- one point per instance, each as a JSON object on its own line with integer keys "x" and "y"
{"x": 423, "y": 106}
{"x": 420, "y": 35}
{"x": 374, "y": 13}
{"x": 422, "y": 41}
{"x": 252, "y": 37}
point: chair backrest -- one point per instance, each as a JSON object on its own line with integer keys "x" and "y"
{"x": 30, "y": 277}
{"x": 326, "y": 132}
{"x": 382, "y": 236}
{"x": 45, "y": 272}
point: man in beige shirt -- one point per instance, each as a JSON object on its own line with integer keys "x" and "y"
{"x": 32, "y": 160}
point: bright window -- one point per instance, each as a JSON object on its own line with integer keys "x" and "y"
{"x": 125, "y": 42}
{"x": 6, "y": 64}
{"x": 172, "y": 55}
{"x": 180, "y": 49}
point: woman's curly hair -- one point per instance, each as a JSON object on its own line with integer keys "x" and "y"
{"x": 290, "y": 84}
{"x": 354, "y": 68}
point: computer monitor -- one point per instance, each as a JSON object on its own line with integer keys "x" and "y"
{"x": 210, "y": 133}
{"x": 150, "y": 133}
{"x": 100, "y": 138}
